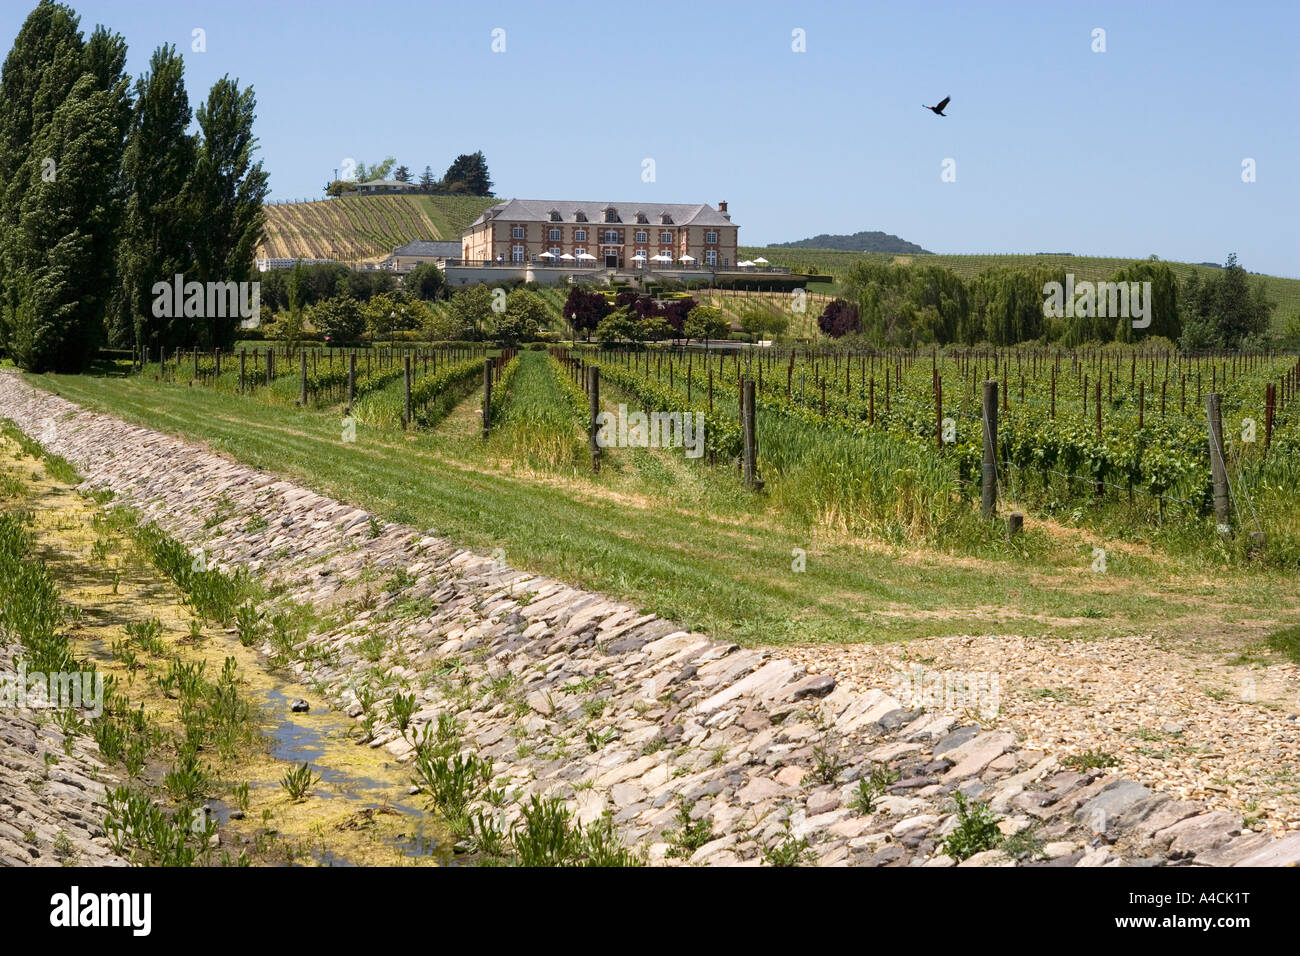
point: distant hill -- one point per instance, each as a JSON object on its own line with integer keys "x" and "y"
{"x": 353, "y": 228}
{"x": 858, "y": 242}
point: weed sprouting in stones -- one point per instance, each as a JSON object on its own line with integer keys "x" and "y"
{"x": 400, "y": 710}
{"x": 451, "y": 783}
{"x": 827, "y": 764}
{"x": 790, "y": 851}
{"x": 870, "y": 788}
{"x": 1090, "y": 760}
{"x": 545, "y": 835}
{"x": 689, "y": 835}
{"x": 1023, "y": 844}
{"x": 976, "y": 831}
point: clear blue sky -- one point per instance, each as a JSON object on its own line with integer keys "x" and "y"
{"x": 1130, "y": 152}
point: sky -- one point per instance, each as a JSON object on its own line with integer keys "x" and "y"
{"x": 1055, "y": 147}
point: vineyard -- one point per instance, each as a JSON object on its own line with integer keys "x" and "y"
{"x": 893, "y": 444}
{"x": 1283, "y": 291}
{"x": 354, "y": 228}
{"x": 881, "y": 444}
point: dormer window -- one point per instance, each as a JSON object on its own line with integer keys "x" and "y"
{"x": 665, "y": 219}
{"x": 555, "y": 216}
{"x": 640, "y": 217}
{"x": 611, "y": 215}
{"x": 579, "y": 216}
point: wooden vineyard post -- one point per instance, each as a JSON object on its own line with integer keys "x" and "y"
{"x": 750, "y": 467}
{"x": 352, "y": 379}
{"x": 1142, "y": 402}
{"x": 302, "y": 377}
{"x": 216, "y": 364}
{"x": 593, "y": 394}
{"x": 406, "y": 369}
{"x": 1270, "y": 397}
{"x": 1099, "y": 488}
{"x": 195, "y": 353}
{"x": 1218, "y": 470}
{"x": 270, "y": 365}
{"x": 989, "y": 469}
{"x": 938, "y": 409}
{"x": 487, "y": 398}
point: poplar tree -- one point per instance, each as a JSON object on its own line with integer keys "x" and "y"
{"x": 158, "y": 235}
{"x": 228, "y": 191}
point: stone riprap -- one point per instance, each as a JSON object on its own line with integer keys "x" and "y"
{"x": 52, "y": 789}
{"x": 579, "y": 696}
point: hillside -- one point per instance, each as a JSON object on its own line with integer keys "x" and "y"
{"x": 858, "y": 242}
{"x": 1283, "y": 291}
{"x": 352, "y": 228}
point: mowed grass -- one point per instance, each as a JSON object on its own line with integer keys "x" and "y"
{"x": 691, "y": 545}
{"x": 1284, "y": 292}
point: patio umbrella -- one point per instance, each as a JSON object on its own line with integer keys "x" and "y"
{"x": 746, "y": 262}
{"x": 547, "y": 255}
{"x": 661, "y": 258}
{"x": 686, "y": 259}
{"x": 760, "y": 261}
{"x": 566, "y": 256}
{"x": 585, "y": 255}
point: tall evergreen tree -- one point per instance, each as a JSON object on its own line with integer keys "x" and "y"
{"x": 158, "y": 237}
{"x": 44, "y": 63}
{"x": 468, "y": 174}
{"x": 61, "y": 248}
{"x": 228, "y": 191}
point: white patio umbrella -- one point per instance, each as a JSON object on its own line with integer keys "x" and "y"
{"x": 585, "y": 255}
{"x": 745, "y": 262}
{"x": 661, "y": 258}
{"x": 760, "y": 261}
{"x": 639, "y": 257}
{"x": 566, "y": 256}
{"x": 686, "y": 259}
{"x": 547, "y": 255}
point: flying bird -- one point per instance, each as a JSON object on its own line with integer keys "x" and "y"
{"x": 938, "y": 110}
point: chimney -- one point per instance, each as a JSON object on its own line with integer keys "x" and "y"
{"x": 722, "y": 208}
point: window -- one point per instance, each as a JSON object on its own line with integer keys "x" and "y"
{"x": 555, "y": 235}
{"x": 611, "y": 214}
{"x": 581, "y": 250}
{"x": 555, "y": 251}
{"x": 710, "y": 237}
{"x": 516, "y": 232}
{"x": 611, "y": 236}
{"x": 555, "y": 216}
{"x": 640, "y": 217}
{"x": 640, "y": 252}
{"x": 665, "y": 219}
{"x": 580, "y": 235}
{"x": 710, "y": 257}
{"x": 516, "y": 253}
{"x": 579, "y": 217}
{"x": 665, "y": 237}
{"x": 642, "y": 236}
{"x": 726, "y": 262}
